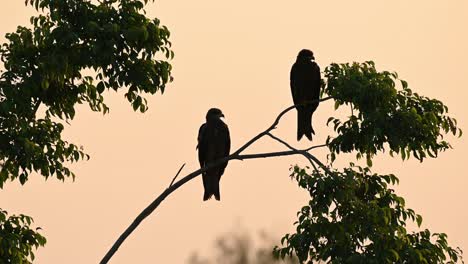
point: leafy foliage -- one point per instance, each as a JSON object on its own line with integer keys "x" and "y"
{"x": 46, "y": 66}
{"x": 354, "y": 217}
{"x": 17, "y": 239}
{"x": 411, "y": 124}
{"x": 50, "y": 66}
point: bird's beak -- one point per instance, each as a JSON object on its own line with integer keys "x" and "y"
{"x": 221, "y": 115}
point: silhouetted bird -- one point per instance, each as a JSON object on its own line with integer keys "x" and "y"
{"x": 305, "y": 87}
{"x": 214, "y": 143}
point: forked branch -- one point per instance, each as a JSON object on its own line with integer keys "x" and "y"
{"x": 234, "y": 156}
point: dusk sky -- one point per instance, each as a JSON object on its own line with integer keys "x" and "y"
{"x": 236, "y": 55}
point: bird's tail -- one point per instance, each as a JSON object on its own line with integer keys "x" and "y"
{"x": 308, "y": 130}
{"x": 211, "y": 184}
{"x": 216, "y": 192}
{"x": 304, "y": 124}
{"x": 300, "y": 123}
{"x": 207, "y": 195}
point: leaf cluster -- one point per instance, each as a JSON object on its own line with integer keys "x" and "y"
{"x": 353, "y": 216}
{"x": 384, "y": 113}
{"x": 46, "y": 66}
{"x": 17, "y": 239}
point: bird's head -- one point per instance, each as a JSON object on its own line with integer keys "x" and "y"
{"x": 305, "y": 54}
{"x": 214, "y": 113}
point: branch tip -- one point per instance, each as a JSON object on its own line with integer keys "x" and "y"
{"x": 183, "y": 165}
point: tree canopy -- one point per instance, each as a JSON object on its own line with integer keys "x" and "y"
{"x": 73, "y": 52}
{"x": 404, "y": 122}
{"x": 353, "y": 215}
{"x": 46, "y": 66}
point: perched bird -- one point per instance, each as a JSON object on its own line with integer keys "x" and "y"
{"x": 214, "y": 143}
{"x": 305, "y": 84}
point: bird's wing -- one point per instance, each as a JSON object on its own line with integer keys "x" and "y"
{"x": 227, "y": 141}
{"x": 202, "y": 148}
{"x": 223, "y": 145}
{"x": 294, "y": 80}
{"x": 316, "y": 80}
{"x": 306, "y": 78}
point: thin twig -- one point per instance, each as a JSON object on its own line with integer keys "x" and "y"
{"x": 325, "y": 168}
{"x": 36, "y": 107}
{"x": 282, "y": 141}
{"x": 291, "y": 147}
{"x": 236, "y": 155}
{"x": 183, "y": 165}
{"x": 314, "y": 147}
{"x": 275, "y": 123}
{"x": 315, "y": 167}
{"x": 267, "y": 155}
{"x": 305, "y": 153}
{"x": 310, "y": 156}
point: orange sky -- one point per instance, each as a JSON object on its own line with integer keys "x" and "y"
{"x": 236, "y": 56}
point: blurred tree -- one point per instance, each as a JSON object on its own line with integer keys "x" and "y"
{"x": 239, "y": 248}
{"x": 49, "y": 67}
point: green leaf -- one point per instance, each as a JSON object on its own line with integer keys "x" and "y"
{"x": 419, "y": 220}
{"x": 404, "y": 84}
{"x": 137, "y": 103}
{"x": 100, "y": 87}
{"x": 395, "y": 254}
{"x": 337, "y": 105}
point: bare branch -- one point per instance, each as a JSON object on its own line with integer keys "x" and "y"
{"x": 325, "y": 168}
{"x": 282, "y": 141}
{"x": 304, "y": 152}
{"x": 316, "y": 146}
{"x": 275, "y": 123}
{"x": 267, "y": 155}
{"x": 291, "y": 147}
{"x": 234, "y": 156}
{"x": 315, "y": 167}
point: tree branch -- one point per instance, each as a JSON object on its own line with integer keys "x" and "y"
{"x": 304, "y": 152}
{"x": 275, "y": 123}
{"x": 36, "y": 107}
{"x": 234, "y": 156}
{"x": 292, "y": 148}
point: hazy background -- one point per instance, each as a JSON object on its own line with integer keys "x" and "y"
{"x": 237, "y": 55}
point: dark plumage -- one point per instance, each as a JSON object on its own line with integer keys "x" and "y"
{"x": 214, "y": 143}
{"x": 305, "y": 87}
